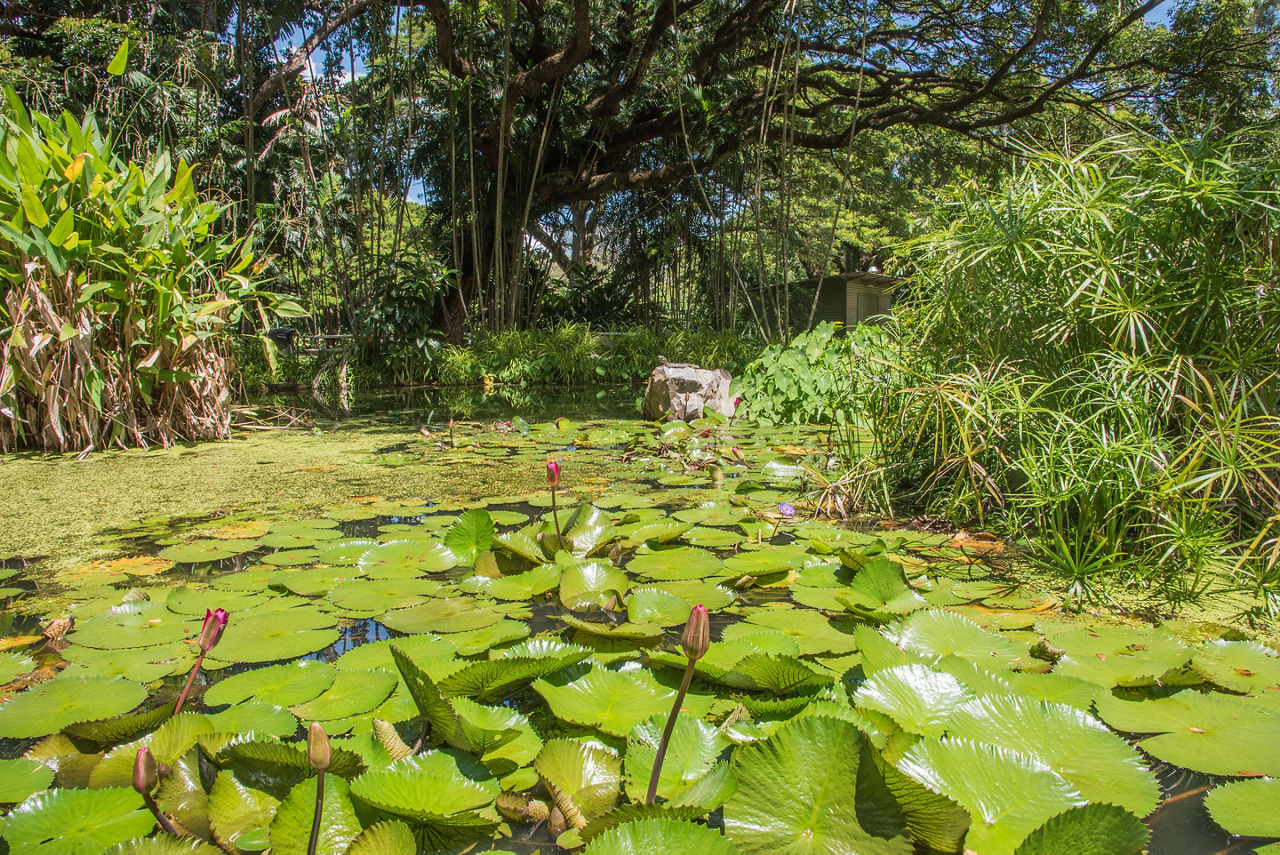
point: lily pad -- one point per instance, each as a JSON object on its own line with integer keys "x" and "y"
{"x": 694, "y": 748}
{"x": 77, "y": 822}
{"x": 1247, "y": 807}
{"x": 263, "y": 719}
{"x": 936, "y": 633}
{"x": 352, "y": 693}
{"x": 1238, "y": 666}
{"x": 445, "y": 615}
{"x": 584, "y": 779}
{"x": 1212, "y": 733}
{"x": 48, "y": 707}
{"x": 470, "y": 535}
{"x": 798, "y": 792}
{"x": 1007, "y": 794}
{"x": 676, "y": 563}
{"x": 22, "y": 777}
{"x": 1095, "y": 829}
{"x": 285, "y": 685}
{"x": 449, "y": 796}
{"x": 647, "y": 836}
{"x": 614, "y": 702}
{"x": 591, "y": 584}
{"x": 399, "y": 559}
{"x": 291, "y": 827}
{"x": 205, "y": 551}
{"x": 285, "y": 634}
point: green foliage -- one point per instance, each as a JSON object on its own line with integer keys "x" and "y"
{"x": 574, "y": 354}
{"x": 115, "y": 286}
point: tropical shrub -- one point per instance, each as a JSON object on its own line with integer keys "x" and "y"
{"x": 115, "y": 288}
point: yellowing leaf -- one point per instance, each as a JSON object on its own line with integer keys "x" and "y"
{"x": 73, "y": 170}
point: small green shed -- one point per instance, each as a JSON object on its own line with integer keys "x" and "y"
{"x": 852, "y": 298}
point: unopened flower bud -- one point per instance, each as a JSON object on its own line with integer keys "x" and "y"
{"x": 553, "y": 474}
{"x": 145, "y": 774}
{"x": 211, "y": 630}
{"x": 697, "y": 633}
{"x": 318, "y": 747}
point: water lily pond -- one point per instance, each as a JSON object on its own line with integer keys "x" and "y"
{"x": 495, "y": 674}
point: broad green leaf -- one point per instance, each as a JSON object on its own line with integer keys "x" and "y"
{"x": 918, "y": 699}
{"x": 291, "y": 827}
{"x": 21, "y": 777}
{"x": 1247, "y": 808}
{"x": 470, "y": 535}
{"x": 1099, "y": 764}
{"x": 694, "y": 749}
{"x": 48, "y": 707}
{"x": 802, "y": 790}
{"x": 120, "y": 60}
{"x": 1238, "y": 666}
{"x": 352, "y": 693}
{"x": 1212, "y": 733}
{"x": 584, "y": 780}
{"x": 76, "y": 822}
{"x": 1095, "y": 829}
{"x": 236, "y": 810}
{"x": 285, "y": 685}
{"x": 592, "y": 584}
{"x": 388, "y": 837}
{"x": 648, "y": 836}
{"x": 1007, "y": 794}
{"x": 450, "y": 795}
{"x": 936, "y": 633}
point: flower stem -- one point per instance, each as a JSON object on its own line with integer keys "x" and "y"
{"x": 555, "y": 515}
{"x": 191, "y": 678}
{"x": 315, "y": 822}
{"x": 666, "y": 734}
{"x": 165, "y": 823}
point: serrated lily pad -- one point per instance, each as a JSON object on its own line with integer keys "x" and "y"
{"x": 1247, "y": 807}
{"x": 695, "y": 747}
{"x": 1007, "y": 795}
{"x": 449, "y": 795}
{"x": 48, "y": 707}
{"x": 445, "y": 615}
{"x": 77, "y": 822}
{"x": 1239, "y": 666}
{"x": 587, "y": 779}
{"x": 660, "y": 835}
{"x": 798, "y": 792}
{"x": 613, "y": 701}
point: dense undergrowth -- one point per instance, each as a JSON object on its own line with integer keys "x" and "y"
{"x": 570, "y": 354}
{"x": 1081, "y": 358}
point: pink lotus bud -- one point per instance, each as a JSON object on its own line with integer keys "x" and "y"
{"x": 737, "y": 402}
{"x": 145, "y": 774}
{"x": 318, "y": 747}
{"x": 214, "y": 623}
{"x": 553, "y": 474}
{"x": 697, "y": 634}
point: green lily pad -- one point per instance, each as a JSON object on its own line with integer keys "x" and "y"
{"x": 1212, "y": 733}
{"x": 1007, "y": 794}
{"x": 584, "y": 779}
{"x": 399, "y": 559}
{"x": 614, "y": 702}
{"x": 300, "y": 539}
{"x": 238, "y": 811}
{"x": 1247, "y": 807}
{"x": 291, "y": 557}
{"x": 812, "y": 632}
{"x": 936, "y": 633}
{"x": 653, "y": 605}
{"x": 352, "y": 693}
{"x": 880, "y": 592}
{"x": 918, "y": 699}
{"x": 285, "y": 685}
{"x": 14, "y": 664}
{"x": 519, "y": 586}
{"x": 346, "y": 552}
{"x": 798, "y": 792}
{"x": 372, "y": 597}
{"x": 291, "y": 827}
{"x": 694, "y": 748}
{"x": 646, "y": 836}
{"x": 21, "y": 778}
{"x": 139, "y": 664}
{"x": 1094, "y": 829}
{"x": 479, "y": 640}
{"x": 77, "y": 822}
{"x": 139, "y": 624}
{"x": 1119, "y": 656}
{"x": 513, "y": 667}
{"x": 1099, "y": 764}
{"x": 204, "y": 551}
{"x": 470, "y": 535}
{"x": 1238, "y": 666}
{"x": 450, "y": 796}
{"x": 262, "y": 719}
{"x": 445, "y": 615}
{"x": 655, "y": 531}
{"x": 676, "y": 563}
{"x": 591, "y": 584}
{"x": 388, "y": 837}
{"x": 426, "y": 650}
{"x": 284, "y": 634}
{"x": 48, "y": 707}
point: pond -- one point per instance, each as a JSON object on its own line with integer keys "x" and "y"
{"x": 493, "y": 661}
